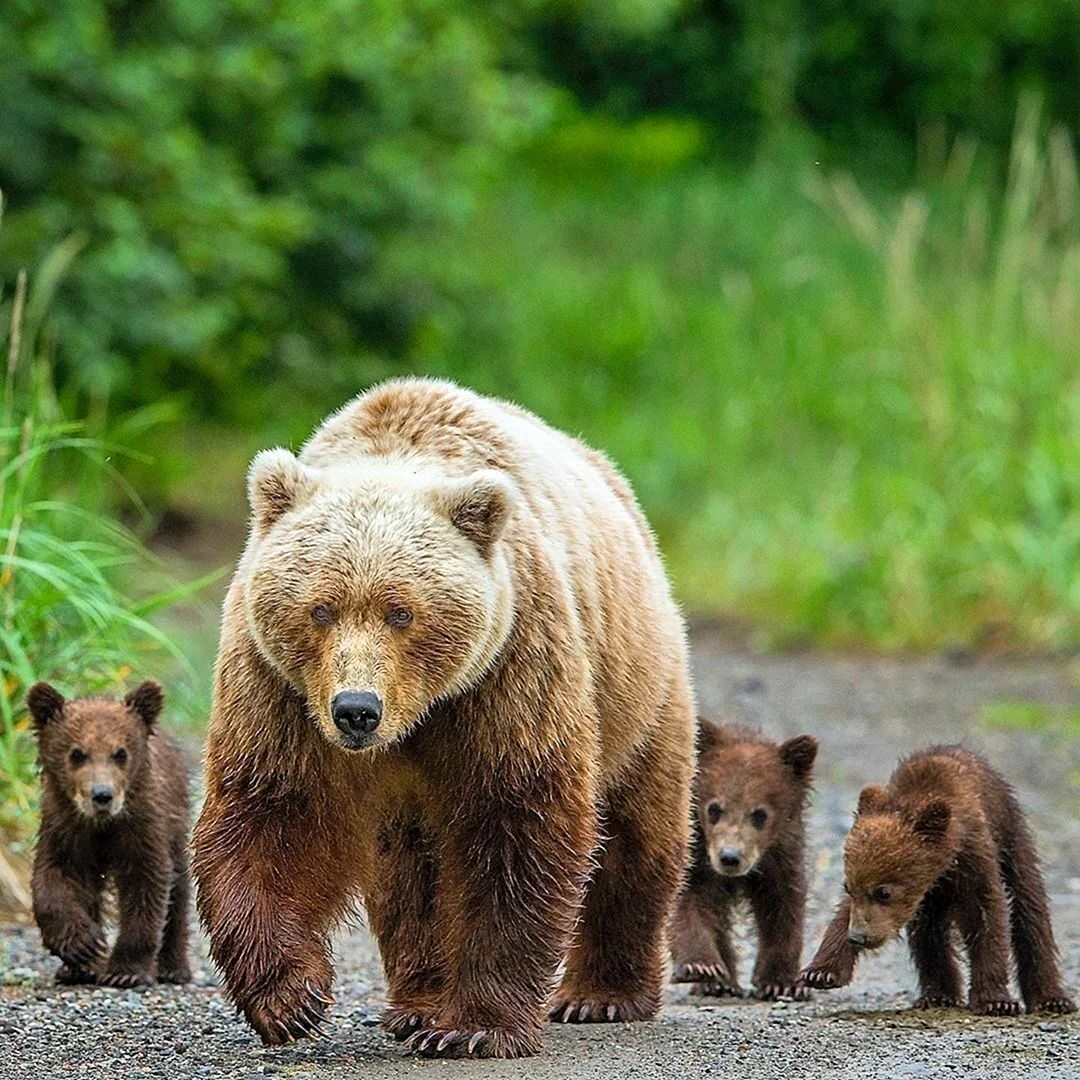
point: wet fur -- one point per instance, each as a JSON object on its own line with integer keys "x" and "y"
{"x": 141, "y": 853}
{"x": 535, "y": 814}
{"x": 949, "y": 827}
{"x": 774, "y": 888}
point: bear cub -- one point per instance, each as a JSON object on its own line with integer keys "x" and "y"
{"x": 748, "y": 839}
{"x": 114, "y": 812}
{"x": 946, "y": 845}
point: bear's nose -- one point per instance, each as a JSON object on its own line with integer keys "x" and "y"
{"x": 859, "y": 938}
{"x": 101, "y": 794}
{"x": 356, "y": 713}
{"x": 730, "y": 858}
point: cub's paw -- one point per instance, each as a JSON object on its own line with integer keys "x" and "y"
{"x": 404, "y": 1021}
{"x": 125, "y": 977}
{"x": 83, "y": 952}
{"x": 1060, "y": 1005}
{"x": 820, "y": 978}
{"x": 602, "y": 1009}
{"x": 177, "y": 975}
{"x": 997, "y": 1007}
{"x": 937, "y": 1001}
{"x": 775, "y": 991}
{"x": 289, "y": 1011}
{"x": 701, "y": 973}
{"x": 440, "y": 1042}
{"x": 74, "y": 976}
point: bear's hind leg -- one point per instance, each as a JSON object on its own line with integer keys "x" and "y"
{"x": 1034, "y": 951}
{"x": 615, "y": 969}
{"x": 402, "y": 915}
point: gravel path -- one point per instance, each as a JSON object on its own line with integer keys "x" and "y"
{"x": 866, "y": 712}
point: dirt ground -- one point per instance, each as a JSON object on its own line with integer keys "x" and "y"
{"x": 866, "y": 712}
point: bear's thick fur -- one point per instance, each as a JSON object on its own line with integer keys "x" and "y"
{"x": 946, "y": 844}
{"x": 114, "y": 812}
{"x": 748, "y": 843}
{"x": 452, "y": 685}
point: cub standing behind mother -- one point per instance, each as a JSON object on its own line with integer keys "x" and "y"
{"x": 450, "y": 663}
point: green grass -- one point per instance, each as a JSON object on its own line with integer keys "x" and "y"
{"x": 853, "y": 417}
{"x": 1032, "y": 716}
{"x": 78, "y": 591}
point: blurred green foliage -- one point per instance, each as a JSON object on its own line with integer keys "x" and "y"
{"x": 785, "y": 261}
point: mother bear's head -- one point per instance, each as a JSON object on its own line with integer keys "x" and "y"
{"x": 376, "y": 588}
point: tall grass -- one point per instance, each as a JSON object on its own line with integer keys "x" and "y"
{"x": 853, "y": 416}
{"x": 67, "y": 611}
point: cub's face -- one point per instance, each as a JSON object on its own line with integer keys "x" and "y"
{"x": 748, "y": 793}
{"x": 93, "y": 748}
{"x": 891, "y": 859}
{"x": 376, "y": 595}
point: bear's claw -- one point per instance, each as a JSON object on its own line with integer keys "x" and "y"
{"x": 578, "y": 1011}
{"x": 937, "y": 1001}
{"x": 1002, "y": 1007}
{"x": 438, "y": 1042}
{"x": 703, "y": 973}
{"x": 1059, "y": 1005}
{"x": 819, "y": 979}
{"x": 125, "y": 979}
{"x": 775, "y": 991}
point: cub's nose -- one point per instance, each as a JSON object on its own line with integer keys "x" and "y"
{"x": 101, "y": 795}
{"x": 730, "y": 858}
{"x": 859, "y": 938}
{"x": 356, "y": 713}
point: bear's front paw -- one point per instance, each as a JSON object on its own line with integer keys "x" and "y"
{"x": 995, "y": 1007}
{"x": 82, "y": 951}
{"x": 775, "y": 991}
{"x": 288, "y": 1012}
{"x": 820, "y": 978}
{"x": 127, "y": 975}
{"x": 443, "y": 1042}
{"x": 717, "y": 974}
{"x": 937, "y": 1001}
{"x": 1060, "y": 1005}
{"x": 603, "y": 1009}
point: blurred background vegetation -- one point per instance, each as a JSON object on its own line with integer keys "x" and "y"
{"x": 809, "y": 271}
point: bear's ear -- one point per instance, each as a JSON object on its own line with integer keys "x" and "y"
{"x": 146, "y": 701}
{"x": 276, "y": 483}
{"x": 45, "y": 703}
{"x": 799, "y": 754}
{"x": 479, "y": 506}
{"x": 931, "y": 823}
{"x": 873, "y": 798}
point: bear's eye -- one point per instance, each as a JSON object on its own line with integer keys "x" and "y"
{"x": 399, "y": 617}
{"x": 882, "y": 894}
{"x": 846, "y": 888}
{"x": 120, "y": 756}
{"x": 759, "y": 817}
{"x": 714, "y": 812}
{"x": 322, "y": 615}
{"x": 78, "y": 757}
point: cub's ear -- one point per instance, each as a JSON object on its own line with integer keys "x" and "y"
{"x": 932, "y": 821}
{"x": 873, "y": 798}
{"x": 479, "y": 506}
{"x": 45, "y": 703}
{"x": 709, "y": 734}
{"x": 276, "y": 483}
{"x": 146, "y": 701}
{"x": 799, "y": 754}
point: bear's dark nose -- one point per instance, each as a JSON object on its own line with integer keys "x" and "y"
{"x": 859, "y": 938}
{"x": 356, "y": 713}
{"x": 730, "y": 858}
{"x": 101, "y": 794}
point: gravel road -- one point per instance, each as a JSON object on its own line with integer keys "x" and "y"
{"x": 865, "y": 712}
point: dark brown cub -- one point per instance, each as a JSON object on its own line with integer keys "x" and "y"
{"x": 946, "y": 845}
{"x": 748, "y": 840}
{"x": 114, "y": 812}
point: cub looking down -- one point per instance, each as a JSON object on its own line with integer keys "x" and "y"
{"x": 946, "y": 844}
{"x": 748, "y": 837}
{"x": 114, "y": 810}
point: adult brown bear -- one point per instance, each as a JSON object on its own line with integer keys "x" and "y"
{"x": 452, "y": 685}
